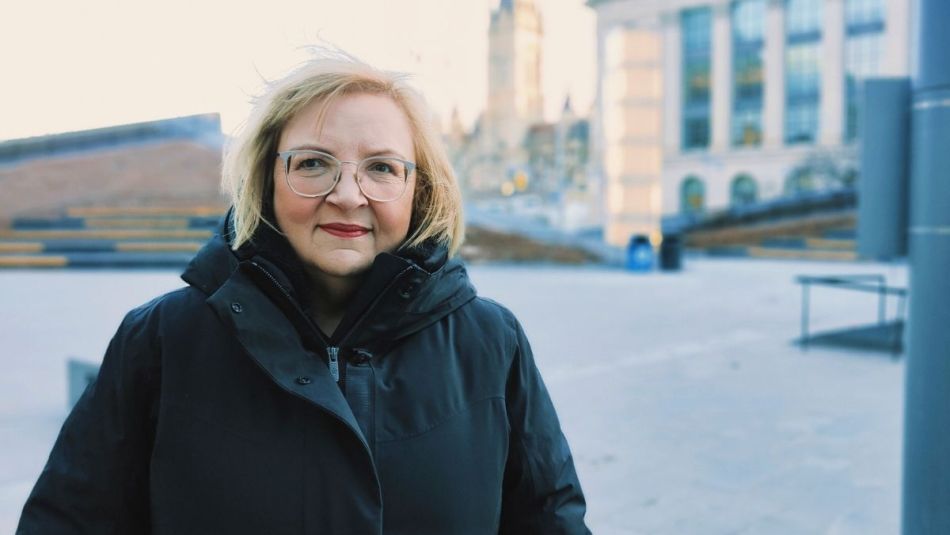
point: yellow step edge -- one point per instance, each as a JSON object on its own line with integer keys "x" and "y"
{"x": 830, "y": 243}
{"x": 106, "y": 234}
{"x": 135, "y": 222}
{"x": 801, "y": 254}
{"x": 187, "y": 246}
{"x": 21, "y": 247}
{"x": 110, "y": 211}
{"x": 33, "y": 261}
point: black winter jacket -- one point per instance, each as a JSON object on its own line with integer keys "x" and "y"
{"x": 221, "y": 408}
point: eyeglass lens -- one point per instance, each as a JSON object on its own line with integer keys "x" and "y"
{"x": 314, "y": 174}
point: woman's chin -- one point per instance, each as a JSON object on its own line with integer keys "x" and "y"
{"x": 341, "y": 265}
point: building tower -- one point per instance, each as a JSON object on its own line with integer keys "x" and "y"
{"x": 514, "y": 75}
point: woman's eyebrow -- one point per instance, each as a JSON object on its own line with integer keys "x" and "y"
{"x": 367, "y": 153}
{"x": 309, "y": 146}
{"x": 382, "y": 152}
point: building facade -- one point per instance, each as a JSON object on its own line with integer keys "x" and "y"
{"x": 514, "y": 71}
{"x": 514, "y": 100}
{"x": 703, "y": 105}
{"x": 512, "y": 157}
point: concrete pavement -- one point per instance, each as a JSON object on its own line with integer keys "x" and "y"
{"x": 686, "y": 406}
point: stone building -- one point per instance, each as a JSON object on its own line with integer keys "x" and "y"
{"x": 702, "y": 105}
{"x": 514, "y": 94}
{"x": 511, "y": 151}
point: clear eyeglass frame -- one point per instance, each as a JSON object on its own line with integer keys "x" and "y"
{"x": 285, "y": 157}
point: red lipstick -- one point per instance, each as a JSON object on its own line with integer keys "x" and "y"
{"x": 342, "y": 230}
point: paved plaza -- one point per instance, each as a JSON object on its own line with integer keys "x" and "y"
{"x": 688, "y": 408}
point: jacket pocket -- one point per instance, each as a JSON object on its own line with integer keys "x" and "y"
{"x": 449, "y": 477}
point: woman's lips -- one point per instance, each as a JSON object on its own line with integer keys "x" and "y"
{"x": 341, "y": 230}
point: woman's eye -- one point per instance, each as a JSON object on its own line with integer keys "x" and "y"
{"x": 382, "y": 167}
{"x": 311, "y": 163}
{"x": 385, "y": 167}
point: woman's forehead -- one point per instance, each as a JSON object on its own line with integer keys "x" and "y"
{"x": 364, "y": 123}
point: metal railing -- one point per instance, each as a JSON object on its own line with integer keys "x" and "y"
{"x": 871, "y": 283}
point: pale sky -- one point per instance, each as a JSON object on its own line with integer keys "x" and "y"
{"x": 71, "y": 65}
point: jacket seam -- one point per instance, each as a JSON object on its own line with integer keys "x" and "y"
{"x": 509, "y": 319}
{"x": 444, "y": 420}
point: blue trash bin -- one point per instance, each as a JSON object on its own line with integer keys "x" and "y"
{"x": 640, "y": 254}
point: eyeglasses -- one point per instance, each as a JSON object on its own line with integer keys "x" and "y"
{"x": 311, "y": 173}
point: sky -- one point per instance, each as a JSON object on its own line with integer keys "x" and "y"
{"x": 75, "y": 65}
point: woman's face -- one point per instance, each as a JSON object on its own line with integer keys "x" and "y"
{"x": 339, "y": 234}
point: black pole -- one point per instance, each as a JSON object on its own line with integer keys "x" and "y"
{"x": 926, "y": 485}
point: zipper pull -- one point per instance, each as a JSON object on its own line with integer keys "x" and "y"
{"x": 333, "y": 353}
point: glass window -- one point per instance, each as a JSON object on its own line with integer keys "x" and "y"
{"x": 800, "y": 181}
{"x": 692, "y": 196}
{"x": 802, "y": 17}
{"x": 748, "y": 27}
{"x": 697, "y": 48}
{"x": 864, "y": 21}
{"x": 859, "y": 13}
{"x": 802, "y": 70}
{"x": 743, "y": 191}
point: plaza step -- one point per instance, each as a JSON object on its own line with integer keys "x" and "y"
{"x": 106, "y": 234}
{"x": 785, "y": 242}
{"x": 98, "y": 260}
{"x": 801, "y": 254}
{"x": 831, "y": 244}
{"x": 109, "y": 237}
{"x": 828, "y": 237}
{"x": 849, "y": 233}
{"x": 100, "y": 222}
{"x": 139, "y": 211}
{"x": 97, "y": 246}
{"x": 779, "y": 253}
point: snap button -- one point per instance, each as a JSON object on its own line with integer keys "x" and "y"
{"x": 236, "y": 307}
{"x": 406, "y": 292}
{"x": 303, "y": 380}
{"x": 361, "y": 357}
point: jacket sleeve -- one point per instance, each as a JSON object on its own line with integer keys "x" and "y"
{"x": 96, "y": 478}
{"x": 542, "y": 494}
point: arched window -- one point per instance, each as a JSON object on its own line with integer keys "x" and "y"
{"x": 692, "y": 196}
{"x": 800, "y": 181}
{"x": 850, "y": 178}
{"x": 744, "y": 190}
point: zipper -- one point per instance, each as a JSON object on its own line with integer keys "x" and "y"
{"x": 359, "y": 321}
{"x": 333, "y": 354}
{"x": 334, "y": 368}
{"x": 372, "y": 305}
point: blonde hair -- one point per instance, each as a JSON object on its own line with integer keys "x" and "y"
{"x": 248, "y": 167}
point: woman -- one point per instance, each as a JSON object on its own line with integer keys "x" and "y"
{"x": 329, "y": 367}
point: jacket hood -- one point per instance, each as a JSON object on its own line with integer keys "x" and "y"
{"x": 401, "y": 293}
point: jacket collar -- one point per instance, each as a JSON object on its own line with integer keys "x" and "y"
{"x": 402, "y": 293}
{"x": 256, "y": 291}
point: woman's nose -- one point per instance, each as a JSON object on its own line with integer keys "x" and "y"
{"x": 347, "y": 193}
